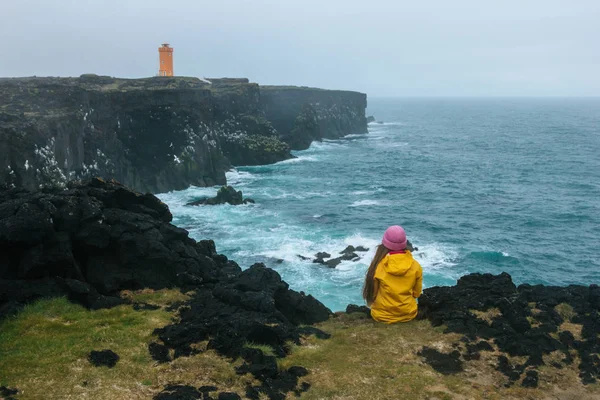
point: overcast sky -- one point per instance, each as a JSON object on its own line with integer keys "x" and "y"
{"x": 381, "y": 47}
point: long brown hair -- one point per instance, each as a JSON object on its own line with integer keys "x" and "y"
{"x": 369, "y": 286}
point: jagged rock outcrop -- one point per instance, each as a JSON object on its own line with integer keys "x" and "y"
{"x": 526, "y": 321}
{"x": 93, "y": 240}
{"x": 257, "y": 307}
{"x": 225, "y": 195}
{"x": 302, "y": 115}
{"x": 350, "y": 253}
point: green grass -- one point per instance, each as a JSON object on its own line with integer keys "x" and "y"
{"x": 43, "y": 353}
{"x": 162, "y": 297}
{"x": 368, "y": 360}
{"x": 266, "y": 349}
{"x": 565, "y": 311}
{"x": 48, "y": 343}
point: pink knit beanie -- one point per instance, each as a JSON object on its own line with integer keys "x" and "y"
{"x": 394, "y": 238}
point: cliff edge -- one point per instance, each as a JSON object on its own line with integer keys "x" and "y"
{"x": 162, "y": 133}
{"x": 303, "y": 115}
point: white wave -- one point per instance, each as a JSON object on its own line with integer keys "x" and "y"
{"x": 362, "y": 203}
{"x": 361, "y": 192}
{"x": 381, "y": 123}
{"x": 298, "y": 159}
{"x": 325, "y": 144}
{"x": 436, "y": 258}
{"x": 289, "y": 243}
{"x": 394, "y": 145}
{"x": 182, "y": 197}
{"x": 356, "y": 135}
{"x": 274, "y": 239}
{"x": 293, "y": 195}
{"x": 357, "y": 239}
{"x": 239, "y": 178}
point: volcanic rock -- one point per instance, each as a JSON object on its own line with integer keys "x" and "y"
{"x": 255, "y": 306}
{"x": 229, "y": 396}
{"x": 509, "y": 325}
{"x": 311, "y": 330}
{"x": 106, "y": 358}
{"x": 298, "y": 371}
{"x": 347, "y": 255}
{"x": 159, "y": 352}
{"x": 302, "y": 115}
{"x": 161, "y": 133}
{"x": 530, "y": 380}
{"x": 178, "y": 392}
{"x": 258, "y": 364}
{"x": 410, "y": 247}
{"x": 353, "y": 308}
{"x": 334, "y": 262}
{"x": 225, "y": 195}
{"x": 208, "y": 389}
{"x": 7, "y": 393}
{"x": 93, "y": 240}
{"x": 443, "y": 363}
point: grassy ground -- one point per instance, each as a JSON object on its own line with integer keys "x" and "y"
{"x": 369, "y": 360}
{"x": 43, "y": 352}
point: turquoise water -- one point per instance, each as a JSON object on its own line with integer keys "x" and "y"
{"x": 480, "y": 185}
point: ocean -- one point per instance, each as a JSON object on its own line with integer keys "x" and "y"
{"x": 480, "y": 185}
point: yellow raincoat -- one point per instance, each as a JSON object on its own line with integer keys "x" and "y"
{"x": 399, "y": 278}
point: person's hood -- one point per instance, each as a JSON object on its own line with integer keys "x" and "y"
{"x": 399, "y": 263}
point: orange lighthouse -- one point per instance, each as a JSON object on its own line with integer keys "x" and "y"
{"x": 165, "y": 59}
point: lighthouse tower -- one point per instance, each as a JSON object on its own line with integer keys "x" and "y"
{"x": 165, "y": 60}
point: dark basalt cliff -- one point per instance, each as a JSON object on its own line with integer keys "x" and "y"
{"x": 159, "y": 134}
{"x": 151, "y": 134}
{"x": 302, "y": 115}
{"x": 246, "y": 136}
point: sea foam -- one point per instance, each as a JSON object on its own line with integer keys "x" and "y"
{"x": 367, "y": 202}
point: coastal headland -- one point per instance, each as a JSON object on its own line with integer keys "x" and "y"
{"x": 162, "y": 133}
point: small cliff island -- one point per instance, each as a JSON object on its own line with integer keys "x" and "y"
{"x": 159, "y": 134}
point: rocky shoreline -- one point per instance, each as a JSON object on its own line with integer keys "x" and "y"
{"x": 526, "y": 321}
{"x": 159, "y": 134}
{"x": 95, "y": 239}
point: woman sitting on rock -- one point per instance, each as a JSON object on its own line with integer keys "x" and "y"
{"x": 394, "y": 280}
